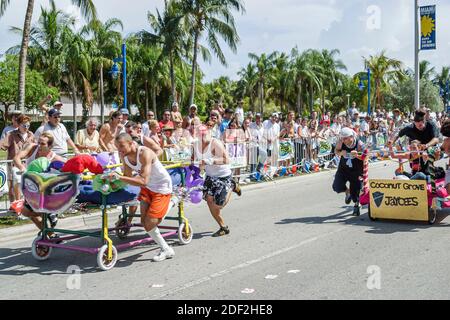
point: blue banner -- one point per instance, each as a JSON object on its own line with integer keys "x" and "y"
{"x": 428, "y": 28}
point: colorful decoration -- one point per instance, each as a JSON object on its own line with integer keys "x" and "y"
{"x": 50, "y": 193}
{"x": 39, "y": 165}
{"x": 79, "y": 164}
{"x": 105, "y": 186}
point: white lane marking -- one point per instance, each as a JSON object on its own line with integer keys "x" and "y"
{"x": 248, "y": 291}
{"x": 241, "y": 266}
{"x": 293, "y": 271}
{"x": 271, "y": 277}
{"x": 15, "y": 255}
{"x": 157, "y": 285}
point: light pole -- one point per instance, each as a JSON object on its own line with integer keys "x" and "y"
{"x": 115, "y": 71}
{"x": 416, "y": 56}
{"x": 348, "y": 101}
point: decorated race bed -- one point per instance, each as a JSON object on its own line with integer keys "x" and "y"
{"x": 53, "y": 188}
{"x": 398, "y": 199}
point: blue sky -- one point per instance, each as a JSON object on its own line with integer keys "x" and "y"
{"x": 356, "y": 27}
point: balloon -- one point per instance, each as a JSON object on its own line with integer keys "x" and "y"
{"x": 56, "y": 165}
{"x": 196, "y": 197}
{"x": 258, "y": 176}
{"x": 294, "y": 169}
{"x": 283, "y": 171}
{"x": 39, "y": 165}
{"x": 175, "y": 175}
{"x": 103, "y": 159}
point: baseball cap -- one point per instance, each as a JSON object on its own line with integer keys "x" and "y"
{"x": 57, "y": 103}
{"x": 54, "y": 112}
{"x": 258, "y": 115}
{"x": 124, "y": 111}
{"x": 228, "y": 110}
{"x": 193, "y": 106}
{"x": 275, "y": 114}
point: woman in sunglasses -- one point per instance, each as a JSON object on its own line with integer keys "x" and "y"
{"x": 16, "y": 141}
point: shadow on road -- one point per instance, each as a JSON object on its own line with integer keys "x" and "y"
{"x": 374, "y": 227}
{"x": 19, "y": 261}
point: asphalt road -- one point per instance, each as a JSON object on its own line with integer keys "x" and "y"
{"x": 292, "y": 239}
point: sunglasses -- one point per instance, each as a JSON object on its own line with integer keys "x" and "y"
{"x": 56, "y": 117}
{"x": 26, "y": 126}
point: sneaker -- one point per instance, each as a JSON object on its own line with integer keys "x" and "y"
{"x": 237, "y": 189}
{"x": 53, "y": 218}
{"x": 223, "y": 231}
{"x": 55, "y": 238}
{"x": 357, "y": 210}
{"x": 348, "y": 197}
{"x": 163, "y": 255}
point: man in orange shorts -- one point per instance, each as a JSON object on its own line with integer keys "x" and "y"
{"x": 143, "y": 169}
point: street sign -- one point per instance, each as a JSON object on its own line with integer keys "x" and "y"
{"x": 428, "y": 28}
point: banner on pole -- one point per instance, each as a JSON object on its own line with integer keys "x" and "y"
{"x": 428, "y": 28}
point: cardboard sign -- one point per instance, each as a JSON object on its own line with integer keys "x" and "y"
{"x": 3, "y": 178}
{"x": 399, "y": 199}
{"x": 238, "y": 154}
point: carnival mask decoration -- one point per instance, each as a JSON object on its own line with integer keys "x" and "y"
{"x": 50, "y": 193}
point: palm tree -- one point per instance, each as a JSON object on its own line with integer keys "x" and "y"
{"x": 384, "y": 70}
{"x": 442, "y": 79}
{"x": 77, "y": 69}
{"x": 426, "y": 71}
{"x": 314, "y": 59}
{"x": 301, "y": 72}
{"x": 332, "y": 75}
{"x": 88, "y": 11}
{"x": 215, "y": 18}
{"x": 248, "y": 83}
{"x": 281, "y": 81}
{"x": 104, "y": 46}
{"x": 45, "y": 47}
{"x": 264, "y": 67}
{"x": 170, "y": 35}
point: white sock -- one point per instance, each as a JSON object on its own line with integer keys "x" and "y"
{"x": 156, "y": 235}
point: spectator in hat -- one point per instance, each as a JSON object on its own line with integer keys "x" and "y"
{"x": 61, "y": 137}
{"x": 43, "y": 105}
{"x": 125, "y": 115}
{"x": 192, "y": 118}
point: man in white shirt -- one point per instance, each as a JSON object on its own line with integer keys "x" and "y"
{"x": 145, "y": 127}
{"x": 59, "y": 132}
{"x": 271, "y": 133}
{"x": 240, "y": 112}
{"x": 255, "y": 148}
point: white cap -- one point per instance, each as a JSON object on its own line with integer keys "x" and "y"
{"x": 193, "y": 106}
{"x": 347, "y": 132}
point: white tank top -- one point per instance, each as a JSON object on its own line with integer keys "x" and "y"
{"x": 160, "y": 181}
{"x": 33, "y": 156}
{"x": 214, "y": 171}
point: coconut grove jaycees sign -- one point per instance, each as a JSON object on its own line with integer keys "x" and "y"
{"x": 399, "y": 199}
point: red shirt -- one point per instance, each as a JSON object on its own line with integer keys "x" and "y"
{"x": 169, "y": 124}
